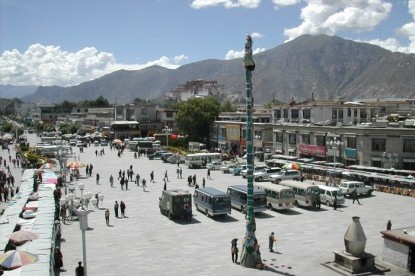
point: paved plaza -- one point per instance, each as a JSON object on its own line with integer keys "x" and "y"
{"x": 148, "y": 243}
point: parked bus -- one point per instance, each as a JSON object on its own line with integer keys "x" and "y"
{"x": 199, "y": 160}
{"x": 278, "y": 197}
{"x": 305, "y": 194}
{"x": 196, "y": 146}
{"x": 239, "y": 197}
{"x": 211, "y": 201}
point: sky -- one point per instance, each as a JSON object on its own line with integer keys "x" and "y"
{"x": 49, "y": 42}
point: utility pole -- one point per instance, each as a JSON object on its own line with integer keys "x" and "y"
{"x": 250, "y": 256}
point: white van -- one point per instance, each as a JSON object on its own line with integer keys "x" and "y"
{"x": 327, "y": 194}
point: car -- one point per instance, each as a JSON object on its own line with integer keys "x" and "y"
{"x": 79, "y": 143}
{"x": 228, "y": 168}
{"x": 165, "y": 156}
{"x": 237, "y": 170}
{"x": 104, "y": 143}
{"x": 215, "y": 165}
{"x": 283, "y": 175}
{"x": 72, "y": 142}
{"x": 256, "y": 169}
{"x": 176, "y": 158}
{"x": 347, "y": 187}
{"x": 156, "y": 155}
{"x": 266, "y": 173}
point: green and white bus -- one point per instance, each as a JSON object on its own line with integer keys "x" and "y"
{"x": 305, "y": 193}
{"x": 278, "y": 197}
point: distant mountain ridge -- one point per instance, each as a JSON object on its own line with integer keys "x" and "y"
{"x": 322, "y": 66}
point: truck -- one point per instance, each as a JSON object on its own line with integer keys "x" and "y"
{"x": 347, "y": 187}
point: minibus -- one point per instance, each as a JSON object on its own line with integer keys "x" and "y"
{"x": 211, "y": 201}
{"x": 239, "y": 197}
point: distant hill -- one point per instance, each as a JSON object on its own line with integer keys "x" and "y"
{"x": 11, "y": 91}
{"x": 324, "y": 66}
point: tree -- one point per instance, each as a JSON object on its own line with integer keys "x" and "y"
{"x": 195, "y": 116}
{"x": 228, "y": 106}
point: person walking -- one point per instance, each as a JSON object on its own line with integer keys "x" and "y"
{"x": 116, "y": 209}
{"x": 122, "y": 206}
{"x": 98, "y": 177}
{"x": 335, "y": 202}
{"x": 203, "y": 182}
{"x": 389, "y": 225}
{"x": 111, "y": 181}
{"x": 79, "y": 270}
{"x": 152, "y": 176}
{"x": 181, "y": 171}
{"x": 271, "y": 239}
{"x": 144, "y": 184}
{"x": 355, "y": 196}
{"x": 126, "y": 183}
{"x": 107, "y": 216}
{"x": 234, "y": 250}
{"x": 165, "y": 176}
{"x": 137, "y": 179}
{"x": 178, "y": 172}
{"x": 208, "y": 174}
{"x": 165, "y": 185}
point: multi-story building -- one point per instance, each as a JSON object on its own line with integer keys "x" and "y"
{"x": 195, "y": 89}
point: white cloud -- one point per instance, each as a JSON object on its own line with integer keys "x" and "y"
{"x": 283, "y": 3}
{"x": 257, "y": 35}
{"x": 232, "y": 54}
{"x": 408, "y": 29}
{"x": 50, "y": 65}
{"x": 251, "y": 4}
{"x": 332, "y": 16}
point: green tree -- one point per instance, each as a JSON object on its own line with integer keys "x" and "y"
{"x": 228, "y": 106}
{"x": 195, "y": 116}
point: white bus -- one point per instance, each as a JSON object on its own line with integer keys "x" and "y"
{"x": 305, "y": 193}
{"x": 199, "y": 160}
{"x": 278, "y": 197}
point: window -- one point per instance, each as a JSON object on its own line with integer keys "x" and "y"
{"x": 355, "y": 112}
{"x": 363, "y": 113}
{"x": 341, "y": 114}
{"x": 305, "y": 139}
{"x": 408, "y": 145}
{"x": 378, "y": 144}
{"x": 285, "y": 113}
{"x": 278, "y": 137}
{"x": 277, "y": 114}
{"x": 351, "y": 142}
{"x": 169, "y": 114}
{"x": 320, "y": 140}
{"x": 334, "y": 114}
{"x": 306, "y": 114}
{"x": 349, "y": 112}
{"x": 294, "y": 113}
{"x": 292, "y": 138}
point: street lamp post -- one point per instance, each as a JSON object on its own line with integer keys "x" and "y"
{"x": 333, "y": 148}
{"x": 167, "y": 130}
{"x": 83, "y": 224}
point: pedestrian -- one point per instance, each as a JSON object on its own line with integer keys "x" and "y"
{"x": 335, "y": 202}
{"x": 188, "y": 212}
{"x": 165, "y": 185}
{"x": 97, "y": 178}
{"x": 137, "y": 179}
{"x": 58, "y": 259}
{"x": 152, "y": 176}
{"x": 111, "y": 180}
{"x": 144, "y": 184}
{"x": 63, "y": 214}
{"x": 181, "y": 171}
{"x": 122, "y": 206}
{"x": 355, "y": 196}
{"x": 119, "y": 174}
{"x": 122, "y": 183}
{"x": 203, "y": 182}
{"x": 107, "y": 216}
{"x": 79, "y": 270}
{"x": 271, "y": 239}
{"x": 126, "y": 183}
{"x": 208, "y": 174}
{"x": 389, "y": 225}
{"x": 234, "y": 250}
{"x": 116, "y": 209}
{"x": 178, "y": 172}
{"x": 194, "y": 179}
{"x": 165, "y": 176}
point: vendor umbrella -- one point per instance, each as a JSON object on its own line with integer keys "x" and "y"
{"x": 22, "y": 236}
{"x": 14, "y": 259}
{"x": 291, "y": 166}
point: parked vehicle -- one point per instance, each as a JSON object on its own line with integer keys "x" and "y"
{"x": 200, "y": 160}
{"x": 155, "y": 155}
{"x": 348, "y": 187}
{"x": 215, "y": 165}
{"x": 176, "y": 158}
{"x": 278, "y": 197}
{"x": 237, "y": 170}
{"x": 172, "y": 203}
{"x": 285, "y": 174}
{"x": 239, "y": 196}
{"x": 227, "y": 168}
{"x": 256, "y": 169}
{"x": 266, "y": 173}
{"x": 305, "y": 193}
{"x": 211, "y": 201}
{"x": 328, "y": 193}
{"x": 165, "y": 156}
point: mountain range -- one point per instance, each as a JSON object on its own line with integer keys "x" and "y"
{"x": 321, "y": 66}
